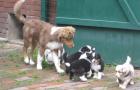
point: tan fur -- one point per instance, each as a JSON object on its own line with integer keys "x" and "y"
{"x": 37, "y": 32}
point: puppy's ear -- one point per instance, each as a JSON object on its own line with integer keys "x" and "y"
{"x": 125, "y": 70}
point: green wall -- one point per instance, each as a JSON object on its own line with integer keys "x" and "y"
{"x": 111, "y": 26}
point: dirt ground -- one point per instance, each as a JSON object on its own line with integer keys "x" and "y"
{"x": 15, "y": 75}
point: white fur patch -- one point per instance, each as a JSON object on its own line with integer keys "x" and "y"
{"x": 67, "y": 64}
{"x": 32, "y": 62}
{"x": 26, "y": 59}
{"x": 39, "y": 61}
{"x": 83, "y": 78}
{"x": 96, "y": 67}
{"x": 56, "y": 61}
{"x": 54, "y": 45}
{"x": 54, "y": 29}
{"x": 23, "y": 0}
{"x": 83, "y": 56}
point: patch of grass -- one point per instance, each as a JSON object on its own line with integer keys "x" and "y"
{"x": 51, "y": 89}
{"x": 22, "y": 73}
{"x": 15, "y": 56}
{"x": 137, "y": 79}
{"x": 84, "y": 88}
{"x": 35, "y": 76}
{"x": 17, "y": 65}
{"x": 110, "y": 65}
{"x": 44, "y": 63}
{"x": 2, "y": 44}
{"x": 27, "y": 82}
{"x": 6, "y": 74}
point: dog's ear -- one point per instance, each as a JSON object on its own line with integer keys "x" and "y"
{"x": 70, "y": 28}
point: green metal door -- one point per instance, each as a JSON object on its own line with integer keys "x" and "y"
{"x": 111, "y": 26}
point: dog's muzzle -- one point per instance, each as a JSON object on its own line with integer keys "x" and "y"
{"x": 69, "y": 43}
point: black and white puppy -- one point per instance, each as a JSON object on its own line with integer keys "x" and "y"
{"x": 97, "y": 67}
{"x": 125, "y": 73}
{"x": 79, "y": 63}
{"x": 68, "y": 59}
{"x": 82, "y": 67}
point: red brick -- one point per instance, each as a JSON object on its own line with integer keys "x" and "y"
{"x": 2, "y": 20}
{"x": 1, "y": 3}
{"x": 3, "y": 15}
{"x": 2, "y": 25}
{"x": 8, "y": 5}
{"x": 2, "y": 9}
{"x": 31, "y": 8}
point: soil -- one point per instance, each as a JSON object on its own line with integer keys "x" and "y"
{"x": 16, "y": 75}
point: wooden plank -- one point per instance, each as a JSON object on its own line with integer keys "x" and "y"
{"x": 128, "y": 11}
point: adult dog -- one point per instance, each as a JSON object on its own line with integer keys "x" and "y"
{"x": 125, "y": 73}
{"x": 44, "y": 35}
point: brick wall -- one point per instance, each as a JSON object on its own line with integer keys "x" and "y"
{"x": 32, "y": 8}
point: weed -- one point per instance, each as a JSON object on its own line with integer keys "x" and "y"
{"x": 35, "y": 76}
{"x": 2, "y": 44}
{"x": 22, "y": 73}
{"x": 14, "y": 56}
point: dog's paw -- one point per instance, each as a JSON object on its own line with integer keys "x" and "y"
{"x": 131, "y": 82}
{"x": 26, "y": 60}
{"x": 60, "y": 71}
{"x": 39, "y": 67}
{"x": 122, "y": 86}
{"x": 31, "y": 62}
{"x": 83, "y": 78}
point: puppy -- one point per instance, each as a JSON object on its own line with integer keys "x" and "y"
{"x": 125, "y": 73}
{"x": 97, "y": 67}
{"x": 45, "y": 36}
{"x": 81, "y": 67}
{"x": 76, "y": 56}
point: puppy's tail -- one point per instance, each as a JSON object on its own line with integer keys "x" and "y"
{"x": 17, "y": 10}
{"x": 128, "y": 60}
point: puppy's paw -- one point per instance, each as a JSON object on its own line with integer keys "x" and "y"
{"x": 100, "y": 75}
{"x": 131, "y": 82}
{"x": 83, "y": 78}
{"x": 31, "y": 62}
{"x": 39, "y": 67}
{"x": 60, "y": 71}
{"x": 95, "y": 76}
{"x": 122, "y": 86}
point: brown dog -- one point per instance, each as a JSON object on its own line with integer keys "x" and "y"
{"x": 44, "y": 35}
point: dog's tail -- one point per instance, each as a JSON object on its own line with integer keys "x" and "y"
{"x": 128, "y": 60}
{"x": 17, "y": 10}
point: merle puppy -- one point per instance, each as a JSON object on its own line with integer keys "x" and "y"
{"x": 68, "y": 59}
{"x": 97, "y": 67}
